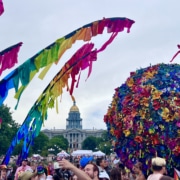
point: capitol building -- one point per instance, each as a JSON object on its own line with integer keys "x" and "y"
{"x": 74, "y": 132}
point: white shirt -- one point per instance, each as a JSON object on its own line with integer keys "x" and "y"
{"x": 154, "y": 176}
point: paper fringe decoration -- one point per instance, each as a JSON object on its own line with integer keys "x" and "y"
{"x": 51, "y": 54}
{"x": 176, "y": 53}
{"x": 143, "y": 118}
{"x": 1, "y": 7}
{"x": 81, "y": 60}
{"x": 9, "y": 57}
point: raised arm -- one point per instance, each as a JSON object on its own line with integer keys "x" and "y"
{"x": 79, "y": 173}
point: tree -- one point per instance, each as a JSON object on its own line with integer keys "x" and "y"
{"x": 57, "y": 143}
{"x": 89, "y": 143}
{"x": 8, "y": 128}
{"x": 40, "y": 144}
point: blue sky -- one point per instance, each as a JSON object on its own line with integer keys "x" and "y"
{"x": 153, "y": 39}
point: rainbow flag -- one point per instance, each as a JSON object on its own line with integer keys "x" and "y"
{"x": 176, "y": 174}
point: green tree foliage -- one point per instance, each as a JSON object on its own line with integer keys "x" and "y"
{"x": 90, "y": 143}
{"x": 58, "y": 143}
{"x": 8, "y": 128}
{"x": 39, "y": 145}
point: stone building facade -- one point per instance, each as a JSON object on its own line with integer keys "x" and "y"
{"x": 74, "y": 132}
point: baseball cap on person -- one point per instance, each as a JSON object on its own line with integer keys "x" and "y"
{"x": 157, "y": 161}
{"x": 85, "y": 160}
{"x": 40, "y": 170}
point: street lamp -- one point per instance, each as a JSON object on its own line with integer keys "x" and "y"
{"x": 105, "y": 147}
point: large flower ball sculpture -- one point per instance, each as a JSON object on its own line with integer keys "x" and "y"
{"x": 143, "y": 119}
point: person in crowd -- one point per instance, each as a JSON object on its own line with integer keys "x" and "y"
{"x": 101, "y": 163}
{"x": 137, "y": 169}
{"x": 40, "y": 173}
{"x": 3, "y": 172}
{"x": 84, "y": 161}
{"x": 91, "y": 171}
{"x": 74, "y": 177}
{"x": 124, "y": 174}
{"x": 158, "y": 167}
{"x": 55, "y": 177}
{"x": 50, "y": 169}
{"x": 45, "y": 168}
{"x": 64, "y": 174}
{"x": 115, "y": 174}
{"x": 27, "y": 175}
{"x": 107, "y": 166}
{"x": 24, "y": 167}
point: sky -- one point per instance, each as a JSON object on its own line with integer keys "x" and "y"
{"x": 153, "y": 39}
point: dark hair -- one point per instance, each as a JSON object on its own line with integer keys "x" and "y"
{"x": 115, "y": 174}
{"x": 121, "y": 166}
{"x": 98, "y": 161}
{"x": 156, "y": 168}
{"x": 56, "y": 177}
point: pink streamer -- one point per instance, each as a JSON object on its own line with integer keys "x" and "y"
{"x": 175, "y": 54}
{"x": 8, "y": 58}
{"x": 1, "y": 7}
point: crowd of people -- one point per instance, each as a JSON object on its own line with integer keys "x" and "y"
{"x": 86, "y": 168}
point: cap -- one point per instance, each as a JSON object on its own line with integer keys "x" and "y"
{"x": 25, "y": 159}
{"x": 157, "y": 161}
{"x": 40, "y": 170}
{"x": 85, "y": 160}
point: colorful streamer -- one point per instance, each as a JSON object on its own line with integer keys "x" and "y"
{"x": 51, "y": 54}
{"x": 1, "y": 7}
{"x": 81, "y": 60}
{"x": 143, "y": 118}
{"x": 9, "y": 57}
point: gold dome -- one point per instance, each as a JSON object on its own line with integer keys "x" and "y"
{"x": 74, "y": 108}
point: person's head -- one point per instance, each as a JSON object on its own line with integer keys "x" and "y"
{"x": 40, "y": 170}
{"x": 115, "y": 174}
{"x": 137, "y": 168}
{"x": 74, "y": 177}
{"x": 106, "y": 164}
{"x": 159, "y": 164}
{"x": 85, "y": 160}
{"x": 101, "y": 162}
{"x": 3, "y": 170}
{"x": 24, "y": 162}
{"x": 92, "y": 170}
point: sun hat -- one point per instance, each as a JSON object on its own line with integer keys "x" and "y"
{"x": 26, "y": 175}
